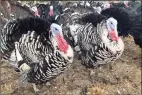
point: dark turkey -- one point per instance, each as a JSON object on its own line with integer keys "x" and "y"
{"x": 50, "y": 11}
{"x": 129, "y": 21}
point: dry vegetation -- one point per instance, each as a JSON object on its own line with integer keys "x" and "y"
{"x": 121, "y": 77}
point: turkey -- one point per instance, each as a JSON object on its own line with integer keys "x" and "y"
{"x": 50, "y": 11}
{"x": 97, "y": 39}
{"x": 129, "y": 22}
{"x": 81, "y": 7}
{"x": 106, "y": 5}
{"x": 124, "y": 4}
{"x": 35, "y": 47}
{"x": 17, "y": 11}
{"x": 71, "y": 12}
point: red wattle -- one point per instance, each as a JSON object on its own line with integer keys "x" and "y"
{"x": 51, "y": 12}
{"x": 113, "y": 36}
{"x": 62, "y": 44}
{"x": 36, "y": 13}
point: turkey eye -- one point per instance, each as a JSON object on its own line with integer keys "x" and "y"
{"x": 56, "y": 29}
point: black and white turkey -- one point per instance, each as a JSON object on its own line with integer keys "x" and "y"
{"x": 96, "y": 38}
{"x": 86, "y": 34}
{"x": 17, "y": 11}
{"x": 37, "y": 48}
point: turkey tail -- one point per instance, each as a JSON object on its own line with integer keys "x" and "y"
{"x": 136, "y": 31}
{"x": 14, "y": 29}
{"x": 129, "y": 22}
{"x": 6, "y": 35}
{"x": 93, "y": 18}
{"x": 7, "y": 30}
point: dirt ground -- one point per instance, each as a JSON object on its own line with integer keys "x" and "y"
{"x": 121, "y": 77}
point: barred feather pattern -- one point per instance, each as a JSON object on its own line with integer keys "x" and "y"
{"x": 94, "y": 50}
{"x": 44, "y": 61}
{"x": 14, "y": 29}
{"x": 5, "y": 41}
{"x": 34, "y": 41}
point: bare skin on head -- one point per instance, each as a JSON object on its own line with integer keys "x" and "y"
{"x": 112, "y": 29}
